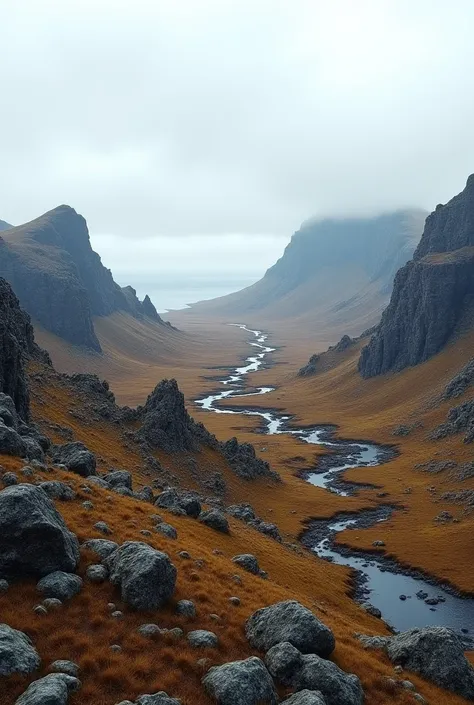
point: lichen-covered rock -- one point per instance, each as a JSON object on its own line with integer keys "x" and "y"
{"x": 17, "y": 653}
{"x": 146, "y": 577}
{"x": 216, "y": 519}
{"x": 248, "y": 562}
{"x": 200, "y": 638}
{"x": 53, "y": 689}
{"x": 241, "y": 683}
{"x": 58, "y": 490}
{"x": 34, "y": 540}
{"x": 436, "y": 653}
{"x": 61, "y": 585}
{"x": 76, "y": 457}
{"x": 289, "y": 621}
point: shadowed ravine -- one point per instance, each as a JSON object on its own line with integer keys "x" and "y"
{"x": 379, "y": 580}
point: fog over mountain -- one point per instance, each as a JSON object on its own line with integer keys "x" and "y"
{"x": 224, "y": 119}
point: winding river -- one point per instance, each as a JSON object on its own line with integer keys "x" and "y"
{"x": 404, "y": 597}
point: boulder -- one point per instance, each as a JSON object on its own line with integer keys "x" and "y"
{"x": 168, "y": 498}
{"x": 8, "y": 412}
{"x": 63, "y": 666}
{"x": 306, "y": 697}
{"x": 119, "y": 478}
{"x": 97, "y": 573}
{"x": 191, "y": 506}
{"x": 166, "y": 530}
{"x": 9, "y": 479}
{"x": 216, "y": 519}
{"x": 11, "y": 443}
{"x": 4, "y": 585}
{"x": 103, "y": 547}
{"x": 59, "y": 584}
{"x": 76, "y": 457}
{"x": 160, "y": 698}
{"x": 311, "y": 672}
{"x": 33, "y": 449}
{"x": 241, "y": 683}
{"x": 17, "y": 653}
{"x": 186, "y": 608}
{"x": 289, "y": 621}
{"x": 202, "y": 638}
{"x": 53, "y": 689}
{"x": 103, "y": 527}
{"x": 146, "y": 577}
{"x": 149, "y": 630}
{"x": 145, "y": 494}
{"x": 58, "y": 490}
{"x": 34, "y": 538}
{"x": 437, "y": 654}
{"x": 248, "y": 562}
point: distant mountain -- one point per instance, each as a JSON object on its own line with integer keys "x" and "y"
{"x": 60, "y": 281}
{"x": 433, "y": 295}
{"x": 4, "y": 225}
{"x": 335, "y": 273}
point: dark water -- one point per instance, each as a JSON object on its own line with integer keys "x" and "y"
{"x": 383, "y": 586}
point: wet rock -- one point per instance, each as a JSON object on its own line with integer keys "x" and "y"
{"x": 53, "y": 689}
{"x": 58, "y": 490}
{"x": 186, "y": 608}
{"x": 200, "y": 638}
{"x": 63, "y": 666}
{"x": 166, "y": 530}
{"x": 102, "y": 547}
{"x": 248, "y": 562}
{"x": 289, "y": 621}
{"x": 241, "y": 683}
{"x": 76, "y": 457}
{"x": 97, "y": 573}
{"x": 215, "y": 519}
{"x": 146, "y": 577}
{"x": 17, "y": 653}
{"x": 35, "y": 539}
{"x": 61, "y": 585}
{"x": 437, "y": 654}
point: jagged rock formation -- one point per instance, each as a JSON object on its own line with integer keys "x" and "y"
{"x": 244, "y": 462}
{"x": 334, "y": 274}
{"x": 16, "y": 345}
{"x": 60, "y": 280}
{"x": 322, "y": 361}
{"x": 433, "y": 294}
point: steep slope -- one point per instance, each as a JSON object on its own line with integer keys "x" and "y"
{"x": 4, "y": 225}
{"x": 333, "y": 274}
{"x": 433, "y": 295}
{"x": 60, "y": 280}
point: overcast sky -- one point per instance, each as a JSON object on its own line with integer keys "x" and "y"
{"x": 203, "y": 126}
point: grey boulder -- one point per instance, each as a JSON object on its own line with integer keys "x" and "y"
{"x": 248, "y": 562}
{"x": 160, "y": 698}
{"x": 17, "y": 653}
{"x": 119, "y": 478}
{"x": 34, "y": 538}
{"x": 9, "y": 479}
{"x": 53, "y": 689}
{"x": 311, "y": 672}
{"x": 289, "y": 621}
{"x": 58, "y": 490}
{"x": 241, "y": 683}
{"x": 146, "y": 577}
{"x": 102, "y": 547}
{"x": 186, "y": 608}
{"x": 166, "y": 530}
{"x": 97, "y": 573}
{"x": 59, "y": 584}
{"x": 436, "y": 653}
{"x": 305, "y": 697}
{"x": 76, "y": 457}
{"x": 63, "y": 666}
{"x": 202, "y": 638}
{"x": 216, "y": 519}
{"x": 11, "y": 443}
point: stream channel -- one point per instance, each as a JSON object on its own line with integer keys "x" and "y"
{"x": 406, "y": 598}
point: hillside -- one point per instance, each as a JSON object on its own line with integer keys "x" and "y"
{"x": 334, "y": 277}
{"x": 61, "y": 281}
{"x": 433, "y": 294}
{"x": 124, "y": 634}
{"x": 4, "y": 225}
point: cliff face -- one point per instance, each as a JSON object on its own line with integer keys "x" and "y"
{"x": 60, "y": 280}
{"x": 335, "y": 275}
{"x": 433, "y": 294}
{"x": 16, "y": 346}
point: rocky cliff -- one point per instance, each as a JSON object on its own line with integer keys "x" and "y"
{"x": 335, "y": 275}
{"x": 433, "y": 294}
{"x": 60, "y": 280}
{"x": 16, "y": 346}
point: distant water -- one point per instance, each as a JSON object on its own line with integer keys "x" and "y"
{"x": 166, "y": 299}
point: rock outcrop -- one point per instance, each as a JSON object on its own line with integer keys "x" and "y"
{"x": 241, "y": 683}
{"x": 244, "y": 461}
{"x": 433, "y": 294}
{"x": 16, "y": 346}
{"x": 17, "y": 653}
{"x": 61, "y": 281}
